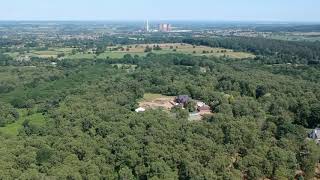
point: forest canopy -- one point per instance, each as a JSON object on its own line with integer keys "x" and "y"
{"x": 76, "y": 119}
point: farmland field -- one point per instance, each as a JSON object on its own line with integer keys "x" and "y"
{"x": 50, "y": 53}
{"x": 310, "y": 36}
{"x": 117, "y": 52}
{"x": 139, "y": 49}
{"x": 176, "y": 48}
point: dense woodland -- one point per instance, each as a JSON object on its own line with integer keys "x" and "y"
{"x": 298, "y": 52}
{"x": 263, "y": 109}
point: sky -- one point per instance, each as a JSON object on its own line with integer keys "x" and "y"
{"x": 208, "y": 10}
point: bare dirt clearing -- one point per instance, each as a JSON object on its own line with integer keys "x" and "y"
{"x": 156, "y": 101}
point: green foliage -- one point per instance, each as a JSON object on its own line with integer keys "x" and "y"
{"x": 309, "y": 156}
{"x": 8, "y": 114}
{"x": 281, "y": 51}
{"x": 43, "y": 155}
{"x": 78, "y": 120}
{"x": 148, "y": 49}
{"x": 261, "y": 91}
{"x": 315, "y": 115}
{"x": 191, "y": 106}
{"x": 180, "y": 112}
{"x": 157, "y": 48}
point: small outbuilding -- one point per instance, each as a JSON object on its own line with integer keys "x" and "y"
{"x": 140, "y": 109}
{"x": 315, "y": 135}
{"x": 202, "y": 108}
{"x": 182, "y": 99}
{"x": 54, "y": 64}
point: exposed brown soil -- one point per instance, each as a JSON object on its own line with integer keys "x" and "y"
{"x": 163, "y": 102}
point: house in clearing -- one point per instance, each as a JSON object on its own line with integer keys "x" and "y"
{"x": 157, "y": 101}
{"x": 201, "y": 107}
{"x": 315, "y": 135}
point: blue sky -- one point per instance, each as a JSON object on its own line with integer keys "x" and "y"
{"x": 221, "y": 10}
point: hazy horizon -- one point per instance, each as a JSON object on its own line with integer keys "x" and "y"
{"x": 201, "y": 10}
{"x": 167, "y": 20}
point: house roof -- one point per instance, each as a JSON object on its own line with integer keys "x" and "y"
{"x": 315, "y": 134}
{"x": 182, "y": 99}
{"x": 204, "y": 108}
{"x": 200, "y": 104}
{"x": 140, "y": 109}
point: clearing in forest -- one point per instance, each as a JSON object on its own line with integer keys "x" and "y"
{"x": 36, "y": 119}
{"x": 117, "y": 52}
{"x": 140, "y": 49}
{"x": 158, "y": 101}
{"x": 49, "y": 53}
{"x": 155, "y": 101}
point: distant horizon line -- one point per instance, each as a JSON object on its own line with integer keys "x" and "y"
{"x": 159, "y": 20}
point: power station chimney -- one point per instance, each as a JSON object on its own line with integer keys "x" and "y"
{"x": 147, "y": 26}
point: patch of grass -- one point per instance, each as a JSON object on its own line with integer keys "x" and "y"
{"x": 80, "y": 56}
{"x": 118, "y": 55}
{"x": 138, "y": 49}
{"x": 151, "y": 96}
{"x": 156, "y": 101}
{"x": 43, "y": 54}
{"x": 51, "y": 52}
{"x": 62, "y": 50}
{"x": 37, "y": 119}
{"x": 12, "y": 54}
{"x": 13, "y": 129}
{"x": 128, "y": 67}
{"x": 239, "y": 55}
{"x": 125, "y": 66}
{"x": 309, "y": 36}
{"x": 194, "y": 117}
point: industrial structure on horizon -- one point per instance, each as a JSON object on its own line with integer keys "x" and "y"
{"x": 165, "y": 27}
{"x": 147, "y": 27}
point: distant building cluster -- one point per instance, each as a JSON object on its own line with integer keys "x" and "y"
{"x": 164, "y": 27}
